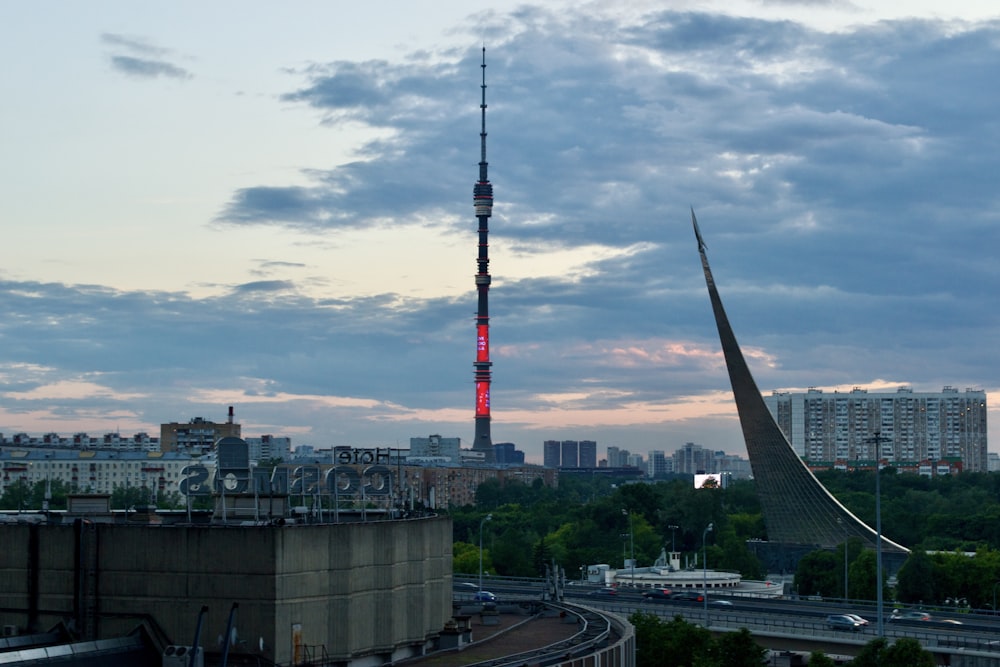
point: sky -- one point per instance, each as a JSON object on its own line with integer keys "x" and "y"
{"x": 269, "y": 206}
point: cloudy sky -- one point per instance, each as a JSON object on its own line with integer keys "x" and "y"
{"x": 269, "y": 206}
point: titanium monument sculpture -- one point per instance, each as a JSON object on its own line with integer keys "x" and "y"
{"x": 797, "y": 509}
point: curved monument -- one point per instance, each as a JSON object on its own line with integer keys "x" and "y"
{"x": 797, "y": 509}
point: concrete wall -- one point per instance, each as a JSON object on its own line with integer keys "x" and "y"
{"x": 351, "y": 589}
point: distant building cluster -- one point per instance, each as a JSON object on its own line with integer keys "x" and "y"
{"x": 690, "y": 459}
{"x": 569, "y": 454}
{"x": 926, "y": 433}
{"x": 436, "y": 470}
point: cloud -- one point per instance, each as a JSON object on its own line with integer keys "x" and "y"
{"x": 265, "y": 286}
{"x": 844, "y": 183}
{"x": 148, "y": 69}
{"x": 136, "y": 60}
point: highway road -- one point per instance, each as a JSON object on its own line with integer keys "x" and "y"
{"x": 774, "y": 616}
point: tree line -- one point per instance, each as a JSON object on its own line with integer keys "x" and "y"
{"x": 591, "y": 520}
{"x": 681, "y": 644}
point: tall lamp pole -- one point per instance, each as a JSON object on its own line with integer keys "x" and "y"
{"x": 673, "y": 538}
{"x": 878, "y": 440}
{"x": 631, "y": 543}
{"x": 488, "y": 517}
{"x": 840, "y": 522}
{"x": 704, "y": 570}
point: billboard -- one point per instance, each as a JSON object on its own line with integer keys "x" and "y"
{"x": 712, "y": 481}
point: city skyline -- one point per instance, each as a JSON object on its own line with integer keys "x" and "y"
{"x": 271, "y": 209}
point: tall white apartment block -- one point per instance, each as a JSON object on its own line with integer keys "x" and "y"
{"x": 914, "y": 428}
{"x": 434, "y": 446}
{"x": 659, "y": 464}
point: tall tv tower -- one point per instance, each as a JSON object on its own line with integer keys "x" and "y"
{"x": 482, "y": 198}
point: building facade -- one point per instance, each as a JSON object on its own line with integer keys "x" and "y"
{"x": 659, "y": 465}
{"x": 507, "y": 453}
{"x": 914, "y": 428}
{"x": 269, "y": 447}
{"x": 198, "y": 435}
{"x": 551, "y": 453}
{"x": 436, "y": 447}
{"x": 361, "y": 593}
{"x": 588, "y": 454}
{"x": 569, "y": 454}
{"x": 617, "y": 457}
{"x": 116, "y": 441}
{"x": 90, "y": 471}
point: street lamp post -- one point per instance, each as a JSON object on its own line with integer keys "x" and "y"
{"x": 840, "y": 522}
{"x": 673, "y": 539}
{"x": 488, "y": 517}
{"x": 631, "y": 543}
{"x": 845, "y": 569}
{"x": 704, "y": 569}
{"x": 878, "y": 440}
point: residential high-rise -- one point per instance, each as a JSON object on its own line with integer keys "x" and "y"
{"x": 693, "y": 459}
{"x": 436, "y": 447}
{"x": 198, "y": 435}
{"x": 588, "y": 454}
{"x": 482, "y": 199}
{"x": 570, "y": 454}
{"x": 551, "y": 453}
{"x": 617, "y": 457}
{"x": 507, "y": 453}
{"x": 659, "y": 465}
{"x": 833, "y": 429}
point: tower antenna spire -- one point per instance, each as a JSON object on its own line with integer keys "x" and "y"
{"x": 482, "y": 199}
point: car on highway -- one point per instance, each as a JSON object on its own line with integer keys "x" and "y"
{"x": 688, "y": 596}
{"x": 603, "y": 592}
{"x": 910, "y": 615}
{"x": 484, "y": 596}
{"x": 843, "y": 622}
{"x": 656, "y": 595}
{"x": 859, "y": 619}
{"x": 721, "y": 604}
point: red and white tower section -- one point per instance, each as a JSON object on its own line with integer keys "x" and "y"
{"x": 482, "y": 198}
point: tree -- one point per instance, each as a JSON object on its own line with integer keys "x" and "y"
{"x": 511, "y": 551}
{"x": 129, "y": 497}
{"x": 905, "y": 652}
{"x": 465, "y": 558}
{"x": 872, "y": 654}
{"x": 737, "y": 649}
{"x": 817, "y": 574}
{"x": 676, "y": 643}
{"x": 22, "y": 495}
{"x": 916, "y": 578}
{"x": 820, "y": 659}
{"x": 864, "y": 584}
{"x": 735, "y": 555}
{"x": 17, "y": 496}
{"x": 540, "y": 557}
